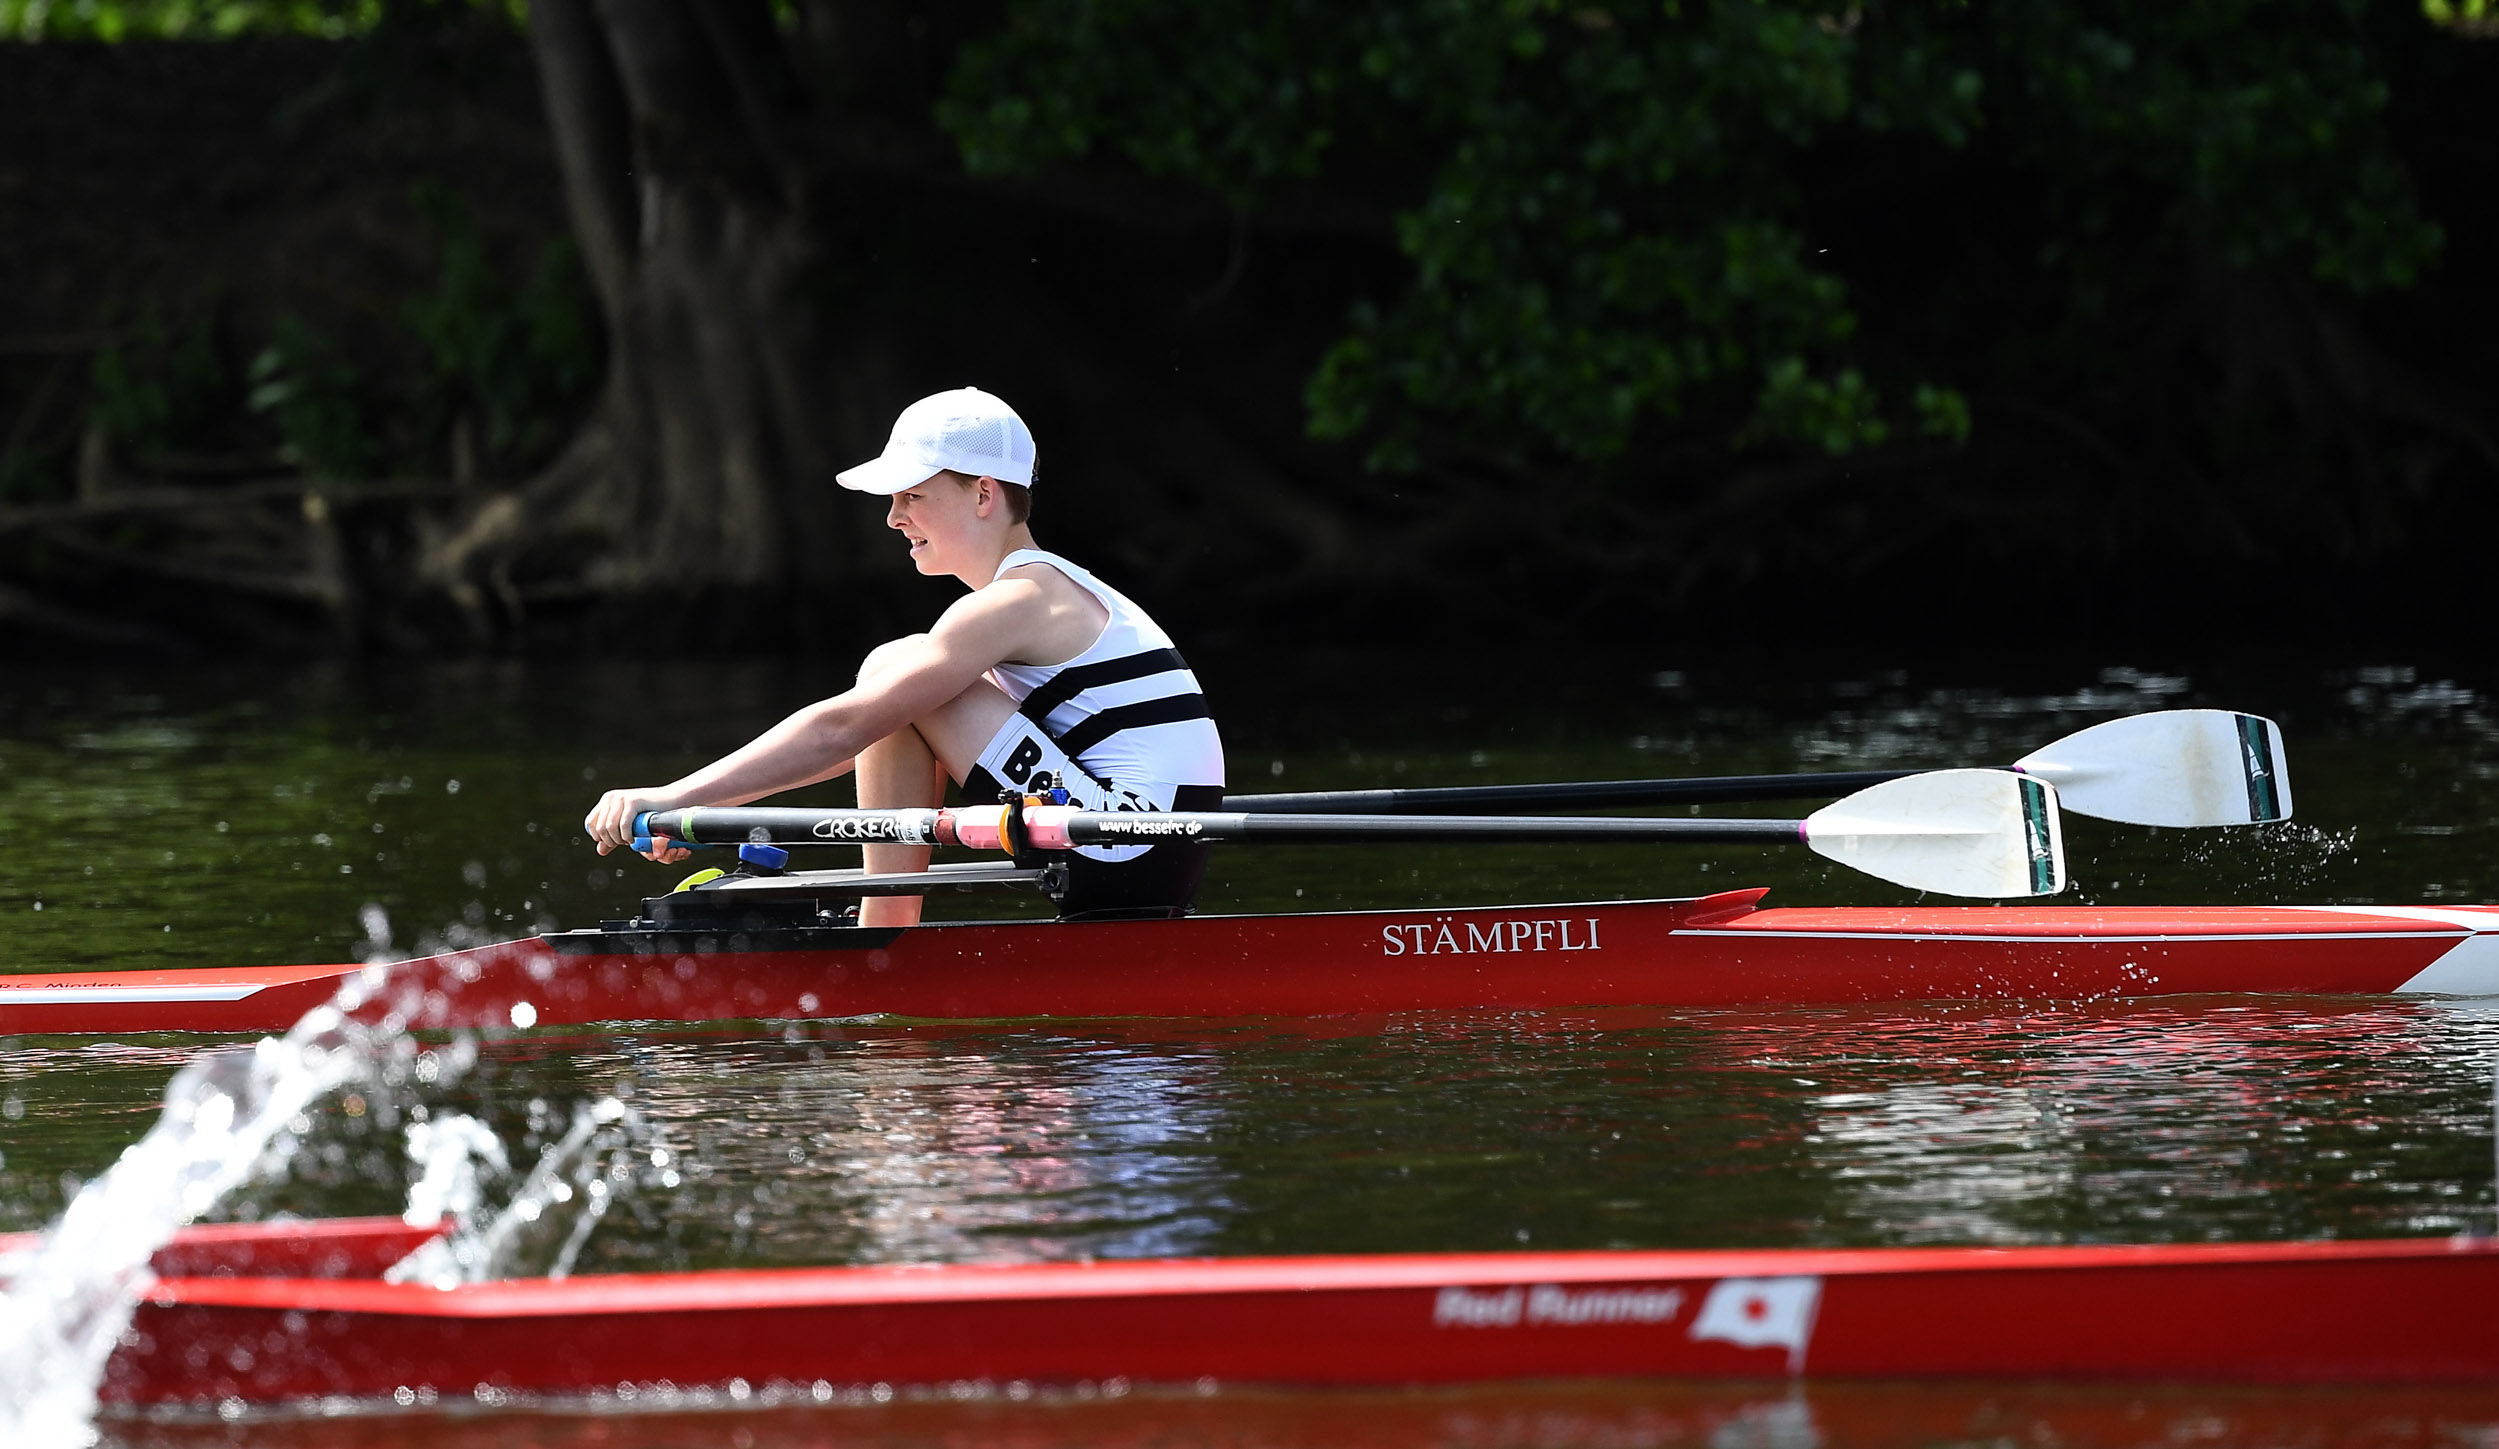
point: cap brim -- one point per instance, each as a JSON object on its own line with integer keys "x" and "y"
{"x": 887, "y": 475}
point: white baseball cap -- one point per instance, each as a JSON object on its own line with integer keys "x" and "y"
{"x": 963, "y": 431}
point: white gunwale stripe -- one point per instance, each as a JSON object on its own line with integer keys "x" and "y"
{"x": 2076, "y": 938}
{"x": 2479, "y": 922}
{"x": 95, "y": 995}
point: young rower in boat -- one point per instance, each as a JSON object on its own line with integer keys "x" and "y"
{"x": 1041, "y": 668}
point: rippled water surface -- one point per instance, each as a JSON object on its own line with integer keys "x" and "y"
{"x": 203, "y": 818}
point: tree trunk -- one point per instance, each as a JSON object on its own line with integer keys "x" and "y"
{"x": 678, "y": 125}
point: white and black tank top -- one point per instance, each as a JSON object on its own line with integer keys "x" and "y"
{"x": 1128, "y": 709}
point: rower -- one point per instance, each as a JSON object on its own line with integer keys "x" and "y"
{"x": 1041, "y": 671}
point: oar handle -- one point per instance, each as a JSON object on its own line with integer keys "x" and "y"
{"x": 1585, "y": 794}
{"x": 790, "y": 825}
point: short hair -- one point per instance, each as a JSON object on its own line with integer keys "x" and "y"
{"x": 1019, "y": 498}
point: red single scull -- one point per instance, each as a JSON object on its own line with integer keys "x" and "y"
{"x": 2407, "y": 1310}
{"x": 760, "y": 941}
{"x": 1713, "y": 951}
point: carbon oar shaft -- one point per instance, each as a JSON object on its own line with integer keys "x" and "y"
{"x": 1057, "y": 827}
{"x": 1131, "y": 829}
{"x": 1585, "y": 793}
{"x": 2172, "y": 767}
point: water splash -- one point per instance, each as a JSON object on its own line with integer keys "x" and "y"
{"x": 230, "y": 1117}
{"x": 448, "y": 1152}
{"x": 550, "y": 1216}
{"x": 226, "y": 1120}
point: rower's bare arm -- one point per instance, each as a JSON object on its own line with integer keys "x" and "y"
{"x": 908, "y": 679}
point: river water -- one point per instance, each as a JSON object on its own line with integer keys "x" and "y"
{"x": 210, "y": 816}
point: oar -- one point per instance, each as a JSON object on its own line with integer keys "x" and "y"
{"x": 2174, "y": 767}
{"x": 1954, "y": 832}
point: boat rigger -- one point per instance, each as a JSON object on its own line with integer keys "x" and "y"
{"x": 2408, "y": 1310}
{"x": 1718, "y": 950}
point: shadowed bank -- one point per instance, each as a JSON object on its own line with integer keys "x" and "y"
{"x": 1728, "y": 325}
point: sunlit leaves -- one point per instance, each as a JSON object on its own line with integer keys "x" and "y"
{"x": 113, "y": 21}
{"x": 2466, "y": 17}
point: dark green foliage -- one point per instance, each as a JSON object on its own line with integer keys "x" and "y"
{"x": 2259, "y": 122}
{"x": 1605, "y": 210}
{"x": 314, "y": 398}
{"x": 25, "y": 477}
{"x": 513, "y": 355}
{"x": 157, "y": 388}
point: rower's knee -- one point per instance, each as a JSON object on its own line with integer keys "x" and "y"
{"x": 883, "y": 653}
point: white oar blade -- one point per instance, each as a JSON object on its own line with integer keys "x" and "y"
{"x": 2182, "y": 767}
{"x": 1984, "y": 833}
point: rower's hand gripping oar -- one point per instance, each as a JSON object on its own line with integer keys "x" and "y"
{"x": 1984, "y": 833}
{"x": 2178, "y": 767}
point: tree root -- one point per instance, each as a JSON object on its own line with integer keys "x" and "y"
{"x": 472, "y": 561}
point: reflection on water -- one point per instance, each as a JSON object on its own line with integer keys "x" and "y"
{"x": 1946, "y": 1163}
{"x": 900, "y": 1149}
{"x": 823, "y": 1144}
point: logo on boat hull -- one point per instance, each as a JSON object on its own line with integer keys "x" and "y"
{"x": 1476, "y": 938}
{"x": 1746, "y": 1312}
{"x": 1550, "y": 1303}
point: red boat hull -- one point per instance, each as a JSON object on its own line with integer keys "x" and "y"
{"x": 300, "y": 1248}
{"x": 1712, "y": 952}
{"x": 2393, "y": 1311}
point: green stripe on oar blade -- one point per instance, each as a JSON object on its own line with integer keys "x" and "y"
{"x": 2264, "y": 783}
{"x": 2038, "y": 837}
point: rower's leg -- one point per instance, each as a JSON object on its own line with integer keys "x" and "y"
{"x": 898, "y": 772}
{"x": 908, "y": 769}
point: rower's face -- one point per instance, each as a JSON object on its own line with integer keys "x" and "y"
{"x": 938, "y": 518}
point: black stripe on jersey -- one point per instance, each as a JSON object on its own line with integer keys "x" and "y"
{"x": 1171, "y": 709}
{"x": 1065, "y": 685}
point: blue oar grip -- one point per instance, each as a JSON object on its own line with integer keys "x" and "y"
{"x": 645, "y": 838}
